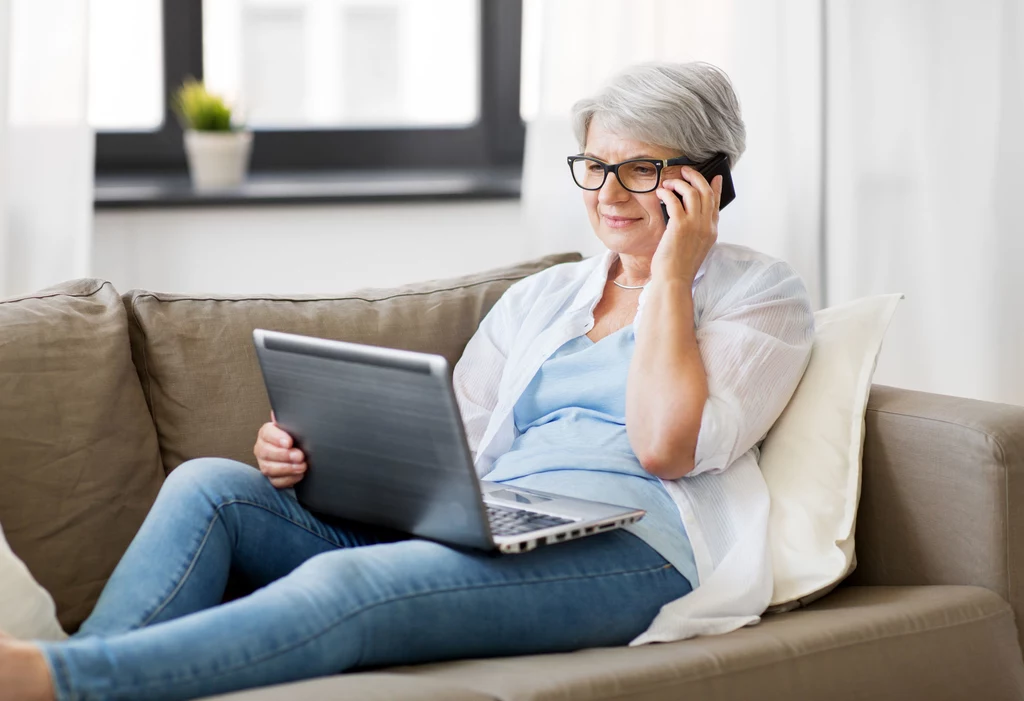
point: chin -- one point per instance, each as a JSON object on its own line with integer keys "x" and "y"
{"x": 630, "y": 241}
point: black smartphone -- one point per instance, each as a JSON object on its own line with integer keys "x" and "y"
{"x": 719, "y": 165}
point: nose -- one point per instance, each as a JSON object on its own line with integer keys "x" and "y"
{"x": 612, "y": 190}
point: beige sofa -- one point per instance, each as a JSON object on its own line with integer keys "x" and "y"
{"x": 101, "y": 395}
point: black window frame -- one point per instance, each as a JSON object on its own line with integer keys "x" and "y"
{"x": 496, "y": 139}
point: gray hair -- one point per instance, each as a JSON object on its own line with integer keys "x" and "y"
{"x": 688, "y": 107}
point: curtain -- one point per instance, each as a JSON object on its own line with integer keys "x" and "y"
{"x": 884, "y": 152}
{"x": 925, "y": 146}
{"x": 47, "y": 145}
{"x": 5, "y": 19}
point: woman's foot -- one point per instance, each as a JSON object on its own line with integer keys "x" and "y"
{"x": 24, "y": 674}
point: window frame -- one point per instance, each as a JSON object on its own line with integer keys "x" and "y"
{"x": 496, "y": 139}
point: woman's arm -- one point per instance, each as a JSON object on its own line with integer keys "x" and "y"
{"x": 667, "y": 386}
{"x": 698, "y": 398}
{"x": 752, "y": 346}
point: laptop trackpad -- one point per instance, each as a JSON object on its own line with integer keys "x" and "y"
{"x": 517, "y": 497}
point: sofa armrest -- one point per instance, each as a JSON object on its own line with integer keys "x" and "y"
{"x": 942, "y": 497}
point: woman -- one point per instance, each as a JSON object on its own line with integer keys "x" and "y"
{"x": 644, "y": 377}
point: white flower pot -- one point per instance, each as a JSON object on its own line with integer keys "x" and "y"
{"x": 217, "y": 159}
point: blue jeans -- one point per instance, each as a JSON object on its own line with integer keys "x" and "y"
{"x": 330, "y": 597}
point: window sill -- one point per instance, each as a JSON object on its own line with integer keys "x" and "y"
{"x": 154, "y": 191}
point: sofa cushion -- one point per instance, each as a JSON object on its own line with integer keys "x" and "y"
{"x": 942, "y": 643}
{"x": 198, "y": 368}
{"x": 79, "y": 462}
{"x": 358, "y": 687}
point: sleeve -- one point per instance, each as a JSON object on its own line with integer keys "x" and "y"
{"x": 477, "y": 375}
{"x": 755, "y": 342}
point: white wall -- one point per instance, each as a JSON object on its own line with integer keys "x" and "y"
{"x": 295, "y": 249}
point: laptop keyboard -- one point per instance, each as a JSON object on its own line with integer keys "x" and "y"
{"x": 517, "y": 521}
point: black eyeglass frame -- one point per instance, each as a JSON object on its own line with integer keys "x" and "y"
{"x": 659, "y": 165}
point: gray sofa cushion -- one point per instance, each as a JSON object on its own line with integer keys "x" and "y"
{"x": 359, "y": 687}
{"x": 79, "y": 467}
{"x": 198, "y": 368}
{"x": 881, "y": 643}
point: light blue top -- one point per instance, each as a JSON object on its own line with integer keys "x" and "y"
{"x": 571, "y": 422}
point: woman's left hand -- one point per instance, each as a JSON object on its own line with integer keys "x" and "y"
{"x": 692, "y": 226}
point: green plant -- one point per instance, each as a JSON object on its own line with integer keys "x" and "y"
{"x": 199, "y": 109}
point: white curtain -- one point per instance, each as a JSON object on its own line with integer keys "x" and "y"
{"x": 46, "y": 171}
{"x": 925, "y": 183}
{"x": 5, "y": 20}
{"x": 920, "y": 142}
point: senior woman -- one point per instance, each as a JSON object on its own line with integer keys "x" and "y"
{"x": 645, "y": 377}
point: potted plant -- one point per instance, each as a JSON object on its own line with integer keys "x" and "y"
{"x": 217, "y": 151}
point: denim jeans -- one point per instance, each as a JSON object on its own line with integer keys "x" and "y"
{"x": 332, "y": 596}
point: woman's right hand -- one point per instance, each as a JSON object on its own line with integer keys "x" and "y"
{"x": 282, "y": 463}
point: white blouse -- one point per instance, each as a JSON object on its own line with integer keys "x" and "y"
{"x": 754, "y": 328}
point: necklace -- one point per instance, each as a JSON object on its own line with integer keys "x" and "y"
{"x": 628, "y": 287}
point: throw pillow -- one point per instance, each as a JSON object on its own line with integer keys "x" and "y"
{"x": 27, "y": 610}
{"x": 80, "y": 464}
{"x": 811, "y": 458}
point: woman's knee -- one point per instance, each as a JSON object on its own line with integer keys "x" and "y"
{"x": 214, "y": 478}
{"x": 337, "y": 583}
{"x": 349, "y": 580}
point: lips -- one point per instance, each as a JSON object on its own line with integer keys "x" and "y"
{"x": 618, "y": 222}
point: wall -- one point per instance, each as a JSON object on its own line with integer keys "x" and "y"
{"x": 294, "y": 249}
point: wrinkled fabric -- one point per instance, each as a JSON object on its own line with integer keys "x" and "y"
{"x": 80, "y": 465}
{"x": 754, "y": 328}
{"x": 572, "y": 440}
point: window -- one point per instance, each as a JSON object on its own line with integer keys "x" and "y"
{"x": 326, "y": 84}
{"x": 125, "y": 62}
{"x": 305, "y": 64}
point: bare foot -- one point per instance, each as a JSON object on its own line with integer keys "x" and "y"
{"x": 24, "y": 674}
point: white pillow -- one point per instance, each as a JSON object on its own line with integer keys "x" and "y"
{"x": 811, "y": 458}
{"x": 26, "y": 609}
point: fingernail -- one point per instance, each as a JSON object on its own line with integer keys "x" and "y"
{"x": 298, "y": 468}
{"x": 284, "y": 442}
{"x": 295, "y": 455}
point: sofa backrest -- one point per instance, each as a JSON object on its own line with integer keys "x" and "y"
{"x": 79, "y": 464}
{"x": 198, "y": 369}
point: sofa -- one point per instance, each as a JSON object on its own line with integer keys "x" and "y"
{"x": 103, "y": 394}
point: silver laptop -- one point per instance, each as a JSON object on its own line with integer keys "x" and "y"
{"x": 385, "y": 445}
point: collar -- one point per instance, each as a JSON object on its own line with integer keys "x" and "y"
{"x": 593, "y": 284}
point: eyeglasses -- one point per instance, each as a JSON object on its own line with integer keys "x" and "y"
{"x": 636, "y": 174}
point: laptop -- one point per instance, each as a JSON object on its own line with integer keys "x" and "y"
{"x": 385, "y": 445}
